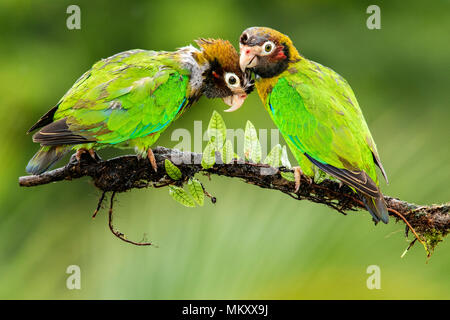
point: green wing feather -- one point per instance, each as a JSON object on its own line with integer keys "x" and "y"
{"x": 317, "y": 111}
{"x": 319, "y": 116}
{"x": 127, "y": 96}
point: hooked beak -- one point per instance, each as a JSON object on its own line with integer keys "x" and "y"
{"x": 234, "y": 101}
{"x": 249, "y": 56}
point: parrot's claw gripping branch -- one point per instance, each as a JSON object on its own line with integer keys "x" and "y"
{"x": 431, "y": 223}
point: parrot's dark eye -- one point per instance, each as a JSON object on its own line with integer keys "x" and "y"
{"x": 268, "y": 47}
{"x": 232, "y": 80}
{"x": 244, "y": 38}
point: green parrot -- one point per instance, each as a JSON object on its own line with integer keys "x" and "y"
{"x": 317, "y": 113}
{"x": 129, "y": 99}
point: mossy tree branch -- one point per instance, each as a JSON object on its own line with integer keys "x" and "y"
{"x": 430, "y": 222}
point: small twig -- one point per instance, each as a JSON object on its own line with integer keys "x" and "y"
{"x": 410, "y": 228}
{"x": 213, "y": 199}
{"x": 162, "y": 185}
{"x": 119, "y": 234}
{"x": 409, "y": 247}
{"x": 99, "y": 204}
{"x": 404, "y": 220}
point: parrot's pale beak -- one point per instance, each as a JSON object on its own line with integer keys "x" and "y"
{"x": 234, "y": 101}
{"x": 249, "y": 56}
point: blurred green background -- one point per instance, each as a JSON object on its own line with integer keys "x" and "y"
{"x": 252, "y": 243}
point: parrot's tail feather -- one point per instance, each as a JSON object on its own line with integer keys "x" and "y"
{"x": 356, "y": 179}
{"x": 45, "y": 157}
{"x": 364, "y": 185}
{"x": 376, "y": 207}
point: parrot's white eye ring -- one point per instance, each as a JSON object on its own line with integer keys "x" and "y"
{"x": 267, "y": 48}
{"x": 232, "y": 80}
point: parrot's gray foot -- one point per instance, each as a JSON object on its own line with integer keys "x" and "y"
{"x": 151, "y": 158}
{"x": 298, "y": 173}
{"x": 91, "y": 152}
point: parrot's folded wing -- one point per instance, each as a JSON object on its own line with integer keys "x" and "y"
{"x": 322, "y": 118}
{"x": 44, "y": 120}
{"x": 57, "y": 133}
{"x": 129, "y": 95}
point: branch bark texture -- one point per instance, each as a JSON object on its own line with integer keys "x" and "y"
{"x": 431, "y": 222}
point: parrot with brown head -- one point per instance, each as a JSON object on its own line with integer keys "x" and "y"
{"x": 317, "y": 113}
{"x": 129, "y": 99}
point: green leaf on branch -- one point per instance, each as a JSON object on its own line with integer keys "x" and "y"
{"x": 274, "y": 157}
{"x": 196, "y": 190}
{"x": 284, "y": 158}
{"x": 172, "y": 170}
{"x": 209, "y": 155}
{"x": 289, "y": 176}
{"x": 252, "y": 146}
{"x": 227, "y": 152}
{"x": 181, "y": 196}
{"x": 319, "y": 176}
{"x": 217, "y": 130}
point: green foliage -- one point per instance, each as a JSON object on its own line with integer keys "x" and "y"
{"x": 227, "y": 152}
{"x": 252, "y": 146}
{"x": 172, "y": 170}
{"x": 196, "y": 190}
{"x": 319, "y": 176}
{"x": 432, "y": 239}
{"x": 289, "y": 176}
{"x": 284, "y": 158}
{"x": 274, "y": 157}
{"x": 209, "y": 155}
{"x": 217, "y": 131}
{"x": 181, "y": 196}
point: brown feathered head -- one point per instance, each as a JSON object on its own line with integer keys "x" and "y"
{"x": 224, "y": 78}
